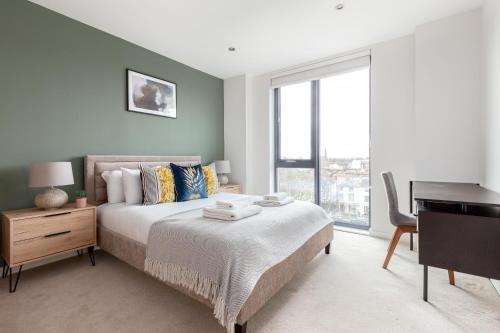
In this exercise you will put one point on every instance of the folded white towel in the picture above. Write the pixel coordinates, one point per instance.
(274, 203)
(224, 204)
(231, 214)
(278, 196)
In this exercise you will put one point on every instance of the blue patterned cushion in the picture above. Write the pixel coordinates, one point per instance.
(189, 182)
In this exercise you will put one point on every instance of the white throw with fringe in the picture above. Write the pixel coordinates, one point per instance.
(223, 261)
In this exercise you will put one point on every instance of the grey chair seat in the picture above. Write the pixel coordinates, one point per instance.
(405, 219)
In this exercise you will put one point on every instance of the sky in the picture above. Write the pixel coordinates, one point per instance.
(344, 117)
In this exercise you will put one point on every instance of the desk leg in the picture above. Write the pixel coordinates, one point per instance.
(425, 282)
(411, 241)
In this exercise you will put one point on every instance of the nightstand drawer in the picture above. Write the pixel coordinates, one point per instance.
(51, 224)
(53, 243)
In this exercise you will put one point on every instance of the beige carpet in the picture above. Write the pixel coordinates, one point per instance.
(347, 291)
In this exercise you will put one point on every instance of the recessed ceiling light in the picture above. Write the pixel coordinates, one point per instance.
(231, 49)
(340, 6)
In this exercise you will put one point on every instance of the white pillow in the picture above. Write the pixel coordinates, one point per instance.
(114, 185)
(132, 186)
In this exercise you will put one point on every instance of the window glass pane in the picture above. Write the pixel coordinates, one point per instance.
(295, 122)
(298, 183)
(344, 151)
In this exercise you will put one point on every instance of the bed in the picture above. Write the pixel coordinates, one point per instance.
(123, 231)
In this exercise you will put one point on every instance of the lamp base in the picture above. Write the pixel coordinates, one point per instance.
(52, 198)
(223, 179)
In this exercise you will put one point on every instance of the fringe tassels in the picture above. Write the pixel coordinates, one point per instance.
(193, 281)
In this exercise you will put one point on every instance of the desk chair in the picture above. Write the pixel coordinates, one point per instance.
(404, 223)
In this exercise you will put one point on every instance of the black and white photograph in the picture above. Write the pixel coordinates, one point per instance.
(151, 95)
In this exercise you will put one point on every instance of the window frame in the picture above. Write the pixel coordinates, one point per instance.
(313, 162)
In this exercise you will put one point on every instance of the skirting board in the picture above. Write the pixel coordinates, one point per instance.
(379, 234)
(388, 236)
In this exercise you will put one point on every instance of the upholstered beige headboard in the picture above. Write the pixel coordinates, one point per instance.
(95, 165)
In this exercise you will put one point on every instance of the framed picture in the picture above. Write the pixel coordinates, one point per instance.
(151, 95)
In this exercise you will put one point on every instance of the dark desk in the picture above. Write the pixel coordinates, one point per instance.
(458, 228)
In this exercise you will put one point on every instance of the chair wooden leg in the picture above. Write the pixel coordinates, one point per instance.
(392, 246)
(451, 277)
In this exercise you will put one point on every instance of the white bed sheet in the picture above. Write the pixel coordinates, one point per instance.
(134, 221)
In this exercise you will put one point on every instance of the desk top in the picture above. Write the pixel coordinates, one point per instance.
(461, 193)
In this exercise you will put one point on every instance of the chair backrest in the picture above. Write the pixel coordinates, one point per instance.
(392, 196)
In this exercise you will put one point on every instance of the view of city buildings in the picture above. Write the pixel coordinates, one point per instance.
(344, 188)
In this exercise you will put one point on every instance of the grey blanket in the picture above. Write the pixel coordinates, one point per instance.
(222, 261)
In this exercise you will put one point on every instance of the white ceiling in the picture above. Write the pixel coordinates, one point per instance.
(268, 34)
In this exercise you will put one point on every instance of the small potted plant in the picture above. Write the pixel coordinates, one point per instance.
(81, 199)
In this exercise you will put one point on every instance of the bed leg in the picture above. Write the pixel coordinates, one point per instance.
(240, 328)
(327, 248)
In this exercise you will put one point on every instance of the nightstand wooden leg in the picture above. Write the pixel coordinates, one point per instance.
(13, 289)
(79, 252)
(91, 255)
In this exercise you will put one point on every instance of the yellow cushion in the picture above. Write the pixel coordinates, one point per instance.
(211, 181)
(167, 185)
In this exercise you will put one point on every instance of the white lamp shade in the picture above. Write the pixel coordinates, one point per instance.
(51, 174)
(222, 167)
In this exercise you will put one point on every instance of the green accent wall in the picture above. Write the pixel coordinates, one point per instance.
(63, 96)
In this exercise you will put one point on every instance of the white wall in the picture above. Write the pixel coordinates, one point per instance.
(447, 96)
(490, 98)
(247, 132)
(392, 126)
(260, 132)
(426, 109)
(235, 128)
(491, 94)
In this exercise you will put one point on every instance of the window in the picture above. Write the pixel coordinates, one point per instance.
(322, 140)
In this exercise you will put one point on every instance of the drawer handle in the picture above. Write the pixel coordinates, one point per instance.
(57, 214)
(58, 234)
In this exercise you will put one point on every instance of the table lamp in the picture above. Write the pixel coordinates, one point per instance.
(222, 168)
(49, 175)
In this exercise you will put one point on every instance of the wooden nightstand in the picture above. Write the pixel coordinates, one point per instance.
(32, 234)
(230, 188)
